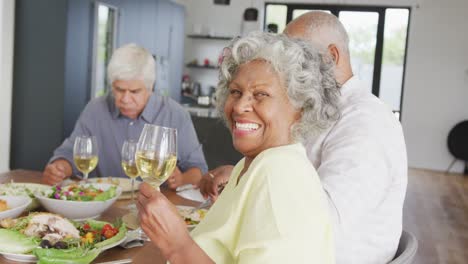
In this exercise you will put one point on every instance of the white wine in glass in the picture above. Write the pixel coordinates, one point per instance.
(156, 155)
(130, 169)
(85, 154)
(128, 162)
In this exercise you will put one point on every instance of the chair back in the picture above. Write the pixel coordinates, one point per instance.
(406, 249)
(457, 141)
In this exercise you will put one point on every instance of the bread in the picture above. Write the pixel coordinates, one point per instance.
(3, 205)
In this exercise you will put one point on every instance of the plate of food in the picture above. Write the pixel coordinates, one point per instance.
(13, 206)
(191, 218)
(51, 238)
(80, 201)
(124, 183)
(24, 189)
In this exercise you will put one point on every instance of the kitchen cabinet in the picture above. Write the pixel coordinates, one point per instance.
(202, 57)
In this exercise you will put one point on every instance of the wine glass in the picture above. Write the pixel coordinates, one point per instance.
(128, 162)
(85, 154)
(156, 155)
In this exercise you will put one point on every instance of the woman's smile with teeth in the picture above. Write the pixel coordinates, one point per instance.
(246, 126)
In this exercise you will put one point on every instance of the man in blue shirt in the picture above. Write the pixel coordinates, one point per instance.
(121, 115)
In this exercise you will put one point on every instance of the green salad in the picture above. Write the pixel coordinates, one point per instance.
(76, 192)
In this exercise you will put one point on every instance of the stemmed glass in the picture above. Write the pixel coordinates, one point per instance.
(85, 154)
(128, 162)
(156, 155)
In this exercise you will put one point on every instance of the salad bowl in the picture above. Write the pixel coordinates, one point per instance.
(80, 202)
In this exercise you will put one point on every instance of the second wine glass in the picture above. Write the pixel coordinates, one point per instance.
(128, 162)
(156, 155)
(85, 154)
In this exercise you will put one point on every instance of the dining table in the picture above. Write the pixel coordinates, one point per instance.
(148, 253)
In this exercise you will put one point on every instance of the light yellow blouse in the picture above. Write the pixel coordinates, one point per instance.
(277, 213)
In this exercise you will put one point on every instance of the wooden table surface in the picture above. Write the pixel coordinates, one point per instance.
(145, 254)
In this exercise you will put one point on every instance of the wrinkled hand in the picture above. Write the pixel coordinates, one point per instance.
(161, 221)
(211, 181)
(176, 179)
(55, 172)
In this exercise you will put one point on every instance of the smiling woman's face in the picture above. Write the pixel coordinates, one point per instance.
(258, 110)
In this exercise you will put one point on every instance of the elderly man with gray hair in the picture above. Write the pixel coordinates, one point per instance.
(121, 115)
(361, 159)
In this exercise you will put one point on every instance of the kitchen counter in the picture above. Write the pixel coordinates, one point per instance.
(201, 111)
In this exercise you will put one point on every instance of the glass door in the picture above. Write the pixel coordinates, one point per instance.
(393, 62)
(362, 33)
(105, 32)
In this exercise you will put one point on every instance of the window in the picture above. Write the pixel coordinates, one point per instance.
(104, 44)
(276, 16)
(378, 40)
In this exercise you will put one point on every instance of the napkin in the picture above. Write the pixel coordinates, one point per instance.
(189, 192)
(135, 238)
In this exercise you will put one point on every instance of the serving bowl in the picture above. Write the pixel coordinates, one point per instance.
(16, 205)
(79, 210)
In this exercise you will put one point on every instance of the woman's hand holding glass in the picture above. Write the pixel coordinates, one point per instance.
(85, 154)
(161, 222)
(156, 155)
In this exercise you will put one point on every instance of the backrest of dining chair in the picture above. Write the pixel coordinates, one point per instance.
(406, 249)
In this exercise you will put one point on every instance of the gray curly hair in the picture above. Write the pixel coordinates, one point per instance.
(308, 76)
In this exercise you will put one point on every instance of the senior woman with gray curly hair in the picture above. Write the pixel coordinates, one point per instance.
(273, 91)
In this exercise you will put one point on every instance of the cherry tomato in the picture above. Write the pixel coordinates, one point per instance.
(86, 227)
(109, 233)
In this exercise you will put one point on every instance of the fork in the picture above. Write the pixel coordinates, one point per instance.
(206, 203)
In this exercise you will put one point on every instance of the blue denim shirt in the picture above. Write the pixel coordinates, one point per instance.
(102, 119)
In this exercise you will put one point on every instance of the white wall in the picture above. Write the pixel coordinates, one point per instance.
(7, 13)
(436, 82)
(436, 86)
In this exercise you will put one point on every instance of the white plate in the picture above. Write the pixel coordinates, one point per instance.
(17, 204)
(20, 257)
(29, 258)
(21, 189)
